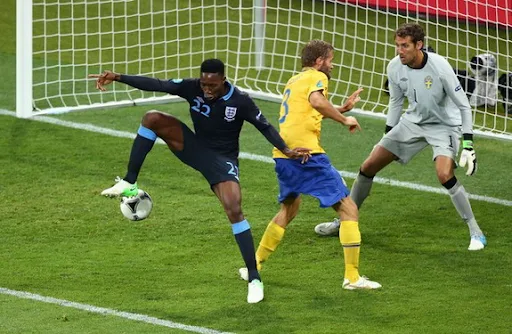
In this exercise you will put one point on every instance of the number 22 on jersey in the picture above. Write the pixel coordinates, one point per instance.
(201, 108)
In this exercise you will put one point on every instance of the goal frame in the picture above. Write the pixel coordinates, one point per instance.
(25, 107)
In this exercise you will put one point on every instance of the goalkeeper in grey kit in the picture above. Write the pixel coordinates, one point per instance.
(437, 114)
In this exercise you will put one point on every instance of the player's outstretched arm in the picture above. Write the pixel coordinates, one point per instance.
(298, 153)
(256, 118)
(275, 139)
(351, 101)
(323, 106)
(104, 79)
(136, 81)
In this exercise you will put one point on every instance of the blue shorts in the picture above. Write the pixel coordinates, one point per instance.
(317, 178)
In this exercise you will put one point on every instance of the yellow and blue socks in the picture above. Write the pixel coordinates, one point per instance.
(243, 236)
(350, 239)
(269, 242)
(142, 144)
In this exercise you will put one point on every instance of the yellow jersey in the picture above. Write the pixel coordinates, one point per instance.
(299, 123)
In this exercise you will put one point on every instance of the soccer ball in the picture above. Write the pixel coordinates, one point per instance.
(137, 207)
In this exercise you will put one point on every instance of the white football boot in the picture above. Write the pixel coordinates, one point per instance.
(362, 283)
(477, 242)
(244, 273)
(329, 228)
(121, 188)
(255, 291)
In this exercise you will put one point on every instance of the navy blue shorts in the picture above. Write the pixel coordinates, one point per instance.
(214, 167)
(317, 178)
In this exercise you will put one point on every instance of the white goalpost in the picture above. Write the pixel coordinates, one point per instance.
(24, 67)
(60, 42)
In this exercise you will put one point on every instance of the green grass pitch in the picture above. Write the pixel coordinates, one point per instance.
(59, 238)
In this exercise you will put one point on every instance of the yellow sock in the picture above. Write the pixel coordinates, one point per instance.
(269, 242)
(350, 239)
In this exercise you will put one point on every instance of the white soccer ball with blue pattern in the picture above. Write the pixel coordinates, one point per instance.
(137, 207)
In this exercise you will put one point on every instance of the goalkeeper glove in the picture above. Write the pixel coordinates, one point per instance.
(468, 155)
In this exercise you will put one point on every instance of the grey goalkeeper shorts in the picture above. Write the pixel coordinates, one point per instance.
(407, 139)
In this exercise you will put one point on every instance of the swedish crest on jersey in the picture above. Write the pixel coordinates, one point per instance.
(229, 114)
(428, 81)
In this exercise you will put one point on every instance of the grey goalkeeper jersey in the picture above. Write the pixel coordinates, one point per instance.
(433, 92)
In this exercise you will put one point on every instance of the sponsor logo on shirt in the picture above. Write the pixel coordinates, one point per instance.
(229, 114)
(177, 81)
(458, 88)
(319, 84)
(428, 81)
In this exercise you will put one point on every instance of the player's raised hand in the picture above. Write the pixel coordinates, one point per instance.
(298, 152)
(104, 79)
(351, 101)
(352, 123)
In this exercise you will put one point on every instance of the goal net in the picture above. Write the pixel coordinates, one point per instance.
(260, 42)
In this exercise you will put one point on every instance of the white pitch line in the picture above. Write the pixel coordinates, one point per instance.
(395, 183)
(107, 311)
(243, 155)
(257, 157)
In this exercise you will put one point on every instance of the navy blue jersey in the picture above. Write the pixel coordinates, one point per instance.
(217, 123)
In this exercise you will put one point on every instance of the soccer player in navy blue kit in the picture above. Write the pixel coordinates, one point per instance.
(218, 110)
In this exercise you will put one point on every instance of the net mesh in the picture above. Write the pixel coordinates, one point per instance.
(169, 39)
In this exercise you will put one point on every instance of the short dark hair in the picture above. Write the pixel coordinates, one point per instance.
(414, 30)
(213, 66)
(314, 49)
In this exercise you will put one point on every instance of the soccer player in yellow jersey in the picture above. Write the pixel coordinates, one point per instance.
(303, 107)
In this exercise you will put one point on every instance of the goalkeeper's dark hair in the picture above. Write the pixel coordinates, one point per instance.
(213, 66)
(314, 49)
(414, 30)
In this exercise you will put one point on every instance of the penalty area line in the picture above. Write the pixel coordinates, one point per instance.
(262, 158)
(106, 311)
